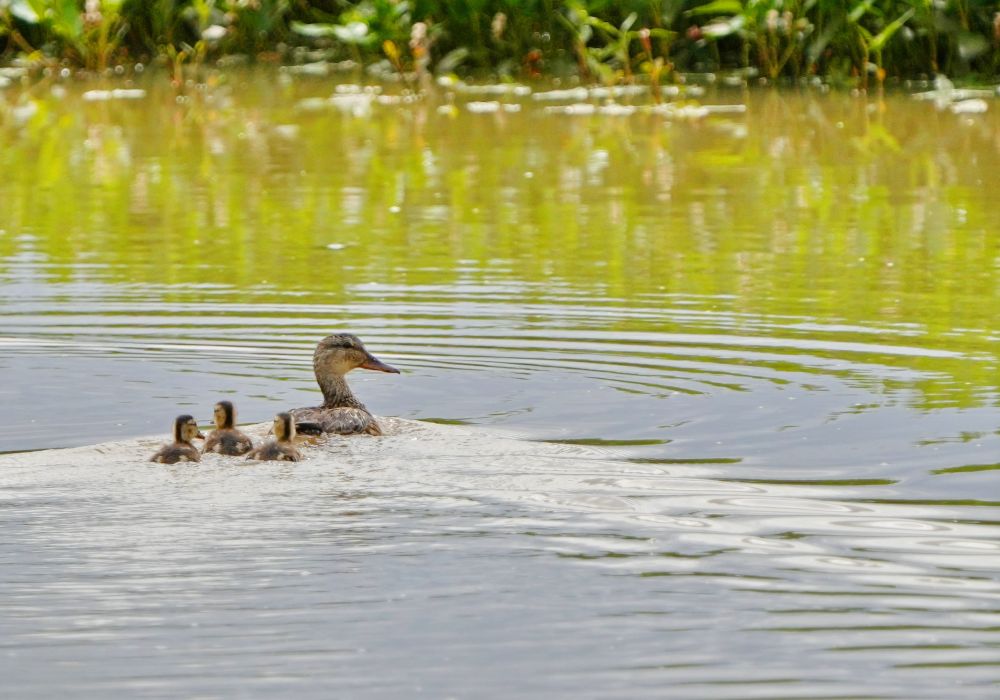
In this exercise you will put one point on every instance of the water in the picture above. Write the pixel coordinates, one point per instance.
(748, 362)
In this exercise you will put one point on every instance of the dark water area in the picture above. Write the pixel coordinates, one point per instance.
(747, 346)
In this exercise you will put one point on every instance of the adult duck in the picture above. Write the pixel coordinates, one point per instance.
(341, 412)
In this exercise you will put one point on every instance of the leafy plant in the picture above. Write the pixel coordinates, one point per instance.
(777, 31)
(872, 43)
(608, 40)
(612, 60)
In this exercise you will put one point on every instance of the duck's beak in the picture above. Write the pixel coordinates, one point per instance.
(372, 362)
(200, 435)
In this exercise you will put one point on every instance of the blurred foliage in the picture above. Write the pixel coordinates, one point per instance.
(848, 40)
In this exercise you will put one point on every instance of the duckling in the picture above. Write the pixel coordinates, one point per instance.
(281, 448)
(181, 449)
(341, 412)
(227, 439)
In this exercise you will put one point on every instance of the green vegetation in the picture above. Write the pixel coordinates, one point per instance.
(846, 41)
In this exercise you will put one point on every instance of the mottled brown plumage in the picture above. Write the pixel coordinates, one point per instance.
(226, 439)
(281, 448)
(341, 412)
(181, 449)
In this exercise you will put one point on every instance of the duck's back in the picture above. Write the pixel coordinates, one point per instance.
(228, 441)
(176, 452)
(340, 421)
(275, 451)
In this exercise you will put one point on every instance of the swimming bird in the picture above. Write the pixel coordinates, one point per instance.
(181, 449)
(226, 439)
(341, 412)
(281, 448)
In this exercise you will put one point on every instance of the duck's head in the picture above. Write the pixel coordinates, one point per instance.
(284, 427)
(342, 352)
(186, 429)
(225, 415)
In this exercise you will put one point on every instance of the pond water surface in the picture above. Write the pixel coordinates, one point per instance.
(775, 326)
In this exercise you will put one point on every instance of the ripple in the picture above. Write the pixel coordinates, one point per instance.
(781, 505)
(710, 433)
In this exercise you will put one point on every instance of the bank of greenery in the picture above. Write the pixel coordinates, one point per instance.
(849, 41)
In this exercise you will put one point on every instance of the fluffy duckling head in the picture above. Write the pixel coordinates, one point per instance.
(186, 429)
(284, 427)
(225, 415)
(340, 353)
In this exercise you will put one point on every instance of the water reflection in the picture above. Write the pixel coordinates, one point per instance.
(753, 351)
(766, 206)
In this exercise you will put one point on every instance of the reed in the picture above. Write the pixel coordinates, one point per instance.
(846, 41)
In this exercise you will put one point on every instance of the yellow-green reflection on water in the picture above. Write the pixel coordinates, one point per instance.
(839, 210)
(837, 207)
(781, 322)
